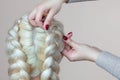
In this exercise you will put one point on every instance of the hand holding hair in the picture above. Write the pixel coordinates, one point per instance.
(76, 51)
(83, 52)
(48, 8)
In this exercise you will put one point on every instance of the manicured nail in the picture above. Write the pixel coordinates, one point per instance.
(47, 27)
(65, 38)
(69, 33)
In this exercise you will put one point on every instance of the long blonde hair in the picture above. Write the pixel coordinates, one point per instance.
(34, 51)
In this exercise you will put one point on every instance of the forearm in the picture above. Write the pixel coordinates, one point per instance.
(110, 63)
(72, 1)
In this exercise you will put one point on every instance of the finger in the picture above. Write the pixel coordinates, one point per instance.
(64, 51)
(49, 19)
(69, 35)
(67, 47)
(39, 18)
(69, 41)
(31, 18)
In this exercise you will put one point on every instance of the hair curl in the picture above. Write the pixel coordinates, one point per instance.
(34, 51)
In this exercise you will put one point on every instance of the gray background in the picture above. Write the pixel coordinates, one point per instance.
(96, 23)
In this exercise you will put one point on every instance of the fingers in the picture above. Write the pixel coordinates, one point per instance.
(66, 48)
(32, 17)
(49, 18)
(38, 19)
(69, 53)
(46, 9)
(69, 35)
(69, 41)
(69, 46)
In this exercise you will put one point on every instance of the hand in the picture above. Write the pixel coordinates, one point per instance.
(46, 9)
(76, 51)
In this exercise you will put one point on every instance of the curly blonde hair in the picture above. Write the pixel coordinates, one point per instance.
(34, 51)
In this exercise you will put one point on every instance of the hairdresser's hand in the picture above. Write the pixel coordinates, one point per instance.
(46, 9)
(76, 51)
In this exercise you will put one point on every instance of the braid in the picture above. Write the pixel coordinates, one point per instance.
(52, 56)
(19, 69)
(34, 51)
(26, 39)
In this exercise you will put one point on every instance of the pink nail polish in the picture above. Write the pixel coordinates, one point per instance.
(65, 38)
(47, 27)
(69, 33)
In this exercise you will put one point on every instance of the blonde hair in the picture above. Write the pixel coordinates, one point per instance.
(34, 51)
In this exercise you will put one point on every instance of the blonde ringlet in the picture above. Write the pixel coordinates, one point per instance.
(34, 51)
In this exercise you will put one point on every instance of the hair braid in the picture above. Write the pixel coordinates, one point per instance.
(19, 69)
(52, 52)
(34, 51)
(26, 39)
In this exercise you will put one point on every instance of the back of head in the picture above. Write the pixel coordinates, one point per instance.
(34, 51)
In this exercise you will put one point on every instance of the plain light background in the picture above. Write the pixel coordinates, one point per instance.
(94, 22)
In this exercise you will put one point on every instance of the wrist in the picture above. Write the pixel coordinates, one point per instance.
(64, 1)
(95, 55)
(92, 53)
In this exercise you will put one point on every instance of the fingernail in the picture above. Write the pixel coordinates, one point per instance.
(47, 27)
(65, 38)
(69, 33)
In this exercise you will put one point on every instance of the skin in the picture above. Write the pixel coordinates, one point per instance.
(47, 9)
(36, 78)
(73, 51)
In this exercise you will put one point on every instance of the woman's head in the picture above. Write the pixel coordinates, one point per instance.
(34, 51)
